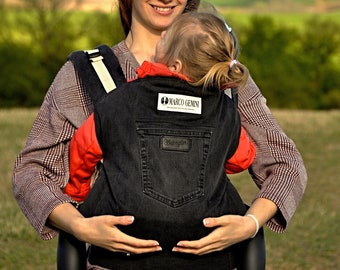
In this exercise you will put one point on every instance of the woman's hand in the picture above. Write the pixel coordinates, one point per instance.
(101, 231)
(230, 229)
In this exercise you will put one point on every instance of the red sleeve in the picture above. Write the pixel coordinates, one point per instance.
(85, 153)
(243, 157)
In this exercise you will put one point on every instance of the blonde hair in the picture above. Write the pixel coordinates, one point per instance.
(207, 49)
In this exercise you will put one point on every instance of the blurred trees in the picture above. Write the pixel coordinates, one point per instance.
(294, 68)
(35, 40)
(50, 29)
(33, 44)
(321, 42)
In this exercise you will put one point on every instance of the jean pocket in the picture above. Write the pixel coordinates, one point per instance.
(173, 163)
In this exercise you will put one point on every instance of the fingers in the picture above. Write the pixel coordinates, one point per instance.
(125, 243)
(120, 220)
(211, 222)
(138, 246)
(106, 235)
(228, 231)
(205, 245)
(217, 221)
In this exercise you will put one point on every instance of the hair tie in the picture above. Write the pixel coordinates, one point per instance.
(232, 63)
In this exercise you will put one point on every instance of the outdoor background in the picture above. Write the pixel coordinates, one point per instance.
(292, 49)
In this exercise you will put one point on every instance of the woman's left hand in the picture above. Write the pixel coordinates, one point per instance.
(230, 229)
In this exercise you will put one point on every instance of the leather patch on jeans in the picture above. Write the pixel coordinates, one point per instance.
(171, 143)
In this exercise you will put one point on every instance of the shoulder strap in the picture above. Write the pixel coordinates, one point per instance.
(234, 93)
(99, 71)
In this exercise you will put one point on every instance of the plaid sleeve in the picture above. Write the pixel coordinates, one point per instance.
(278, 168)
(42, 169)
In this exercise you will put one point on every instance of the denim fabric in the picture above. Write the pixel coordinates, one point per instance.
(166, 169)
(162, 178)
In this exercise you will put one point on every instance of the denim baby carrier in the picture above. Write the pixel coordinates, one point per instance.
(167, 169)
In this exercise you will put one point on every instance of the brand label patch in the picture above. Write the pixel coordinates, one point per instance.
(179, 103)
(171, 143)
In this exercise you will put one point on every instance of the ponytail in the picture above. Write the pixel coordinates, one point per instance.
(224, 75)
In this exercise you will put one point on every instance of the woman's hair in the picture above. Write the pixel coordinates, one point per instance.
(125, 11)
(208, 50)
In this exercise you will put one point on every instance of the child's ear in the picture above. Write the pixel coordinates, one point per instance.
(176, 66)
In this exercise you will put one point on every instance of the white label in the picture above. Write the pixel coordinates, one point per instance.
(228, 92)
(179, 103)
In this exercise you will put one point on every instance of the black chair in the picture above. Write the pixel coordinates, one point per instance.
(252, 254)
(71, 253)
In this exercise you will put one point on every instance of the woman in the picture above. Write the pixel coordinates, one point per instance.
(165, 163)
(41, 169)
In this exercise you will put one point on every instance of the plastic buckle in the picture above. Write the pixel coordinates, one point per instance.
(94, 55)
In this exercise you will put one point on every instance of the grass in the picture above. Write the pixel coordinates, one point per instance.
(312, 239)
(311, 242)
(21, 247)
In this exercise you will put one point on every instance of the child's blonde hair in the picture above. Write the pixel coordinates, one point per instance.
(208, 50)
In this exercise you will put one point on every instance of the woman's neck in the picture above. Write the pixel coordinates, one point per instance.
(142, 45)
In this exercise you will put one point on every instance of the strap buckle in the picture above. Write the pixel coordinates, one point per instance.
(94, 55)
(96, 60)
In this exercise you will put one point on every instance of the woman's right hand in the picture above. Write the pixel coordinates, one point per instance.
(100, 230)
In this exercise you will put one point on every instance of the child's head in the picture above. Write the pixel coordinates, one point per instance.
(202, 47)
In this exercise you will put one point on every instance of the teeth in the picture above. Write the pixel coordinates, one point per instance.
(162, 9)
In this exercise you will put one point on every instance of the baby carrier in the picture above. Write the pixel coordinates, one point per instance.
(97, 81)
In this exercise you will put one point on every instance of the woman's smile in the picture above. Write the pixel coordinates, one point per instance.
(163, 10)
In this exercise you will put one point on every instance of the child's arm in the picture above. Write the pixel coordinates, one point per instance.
(85, 153)
(243, 157)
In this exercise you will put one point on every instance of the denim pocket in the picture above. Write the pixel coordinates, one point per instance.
(173, 163)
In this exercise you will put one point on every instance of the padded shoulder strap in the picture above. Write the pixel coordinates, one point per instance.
(99, 71)
(234, 93)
